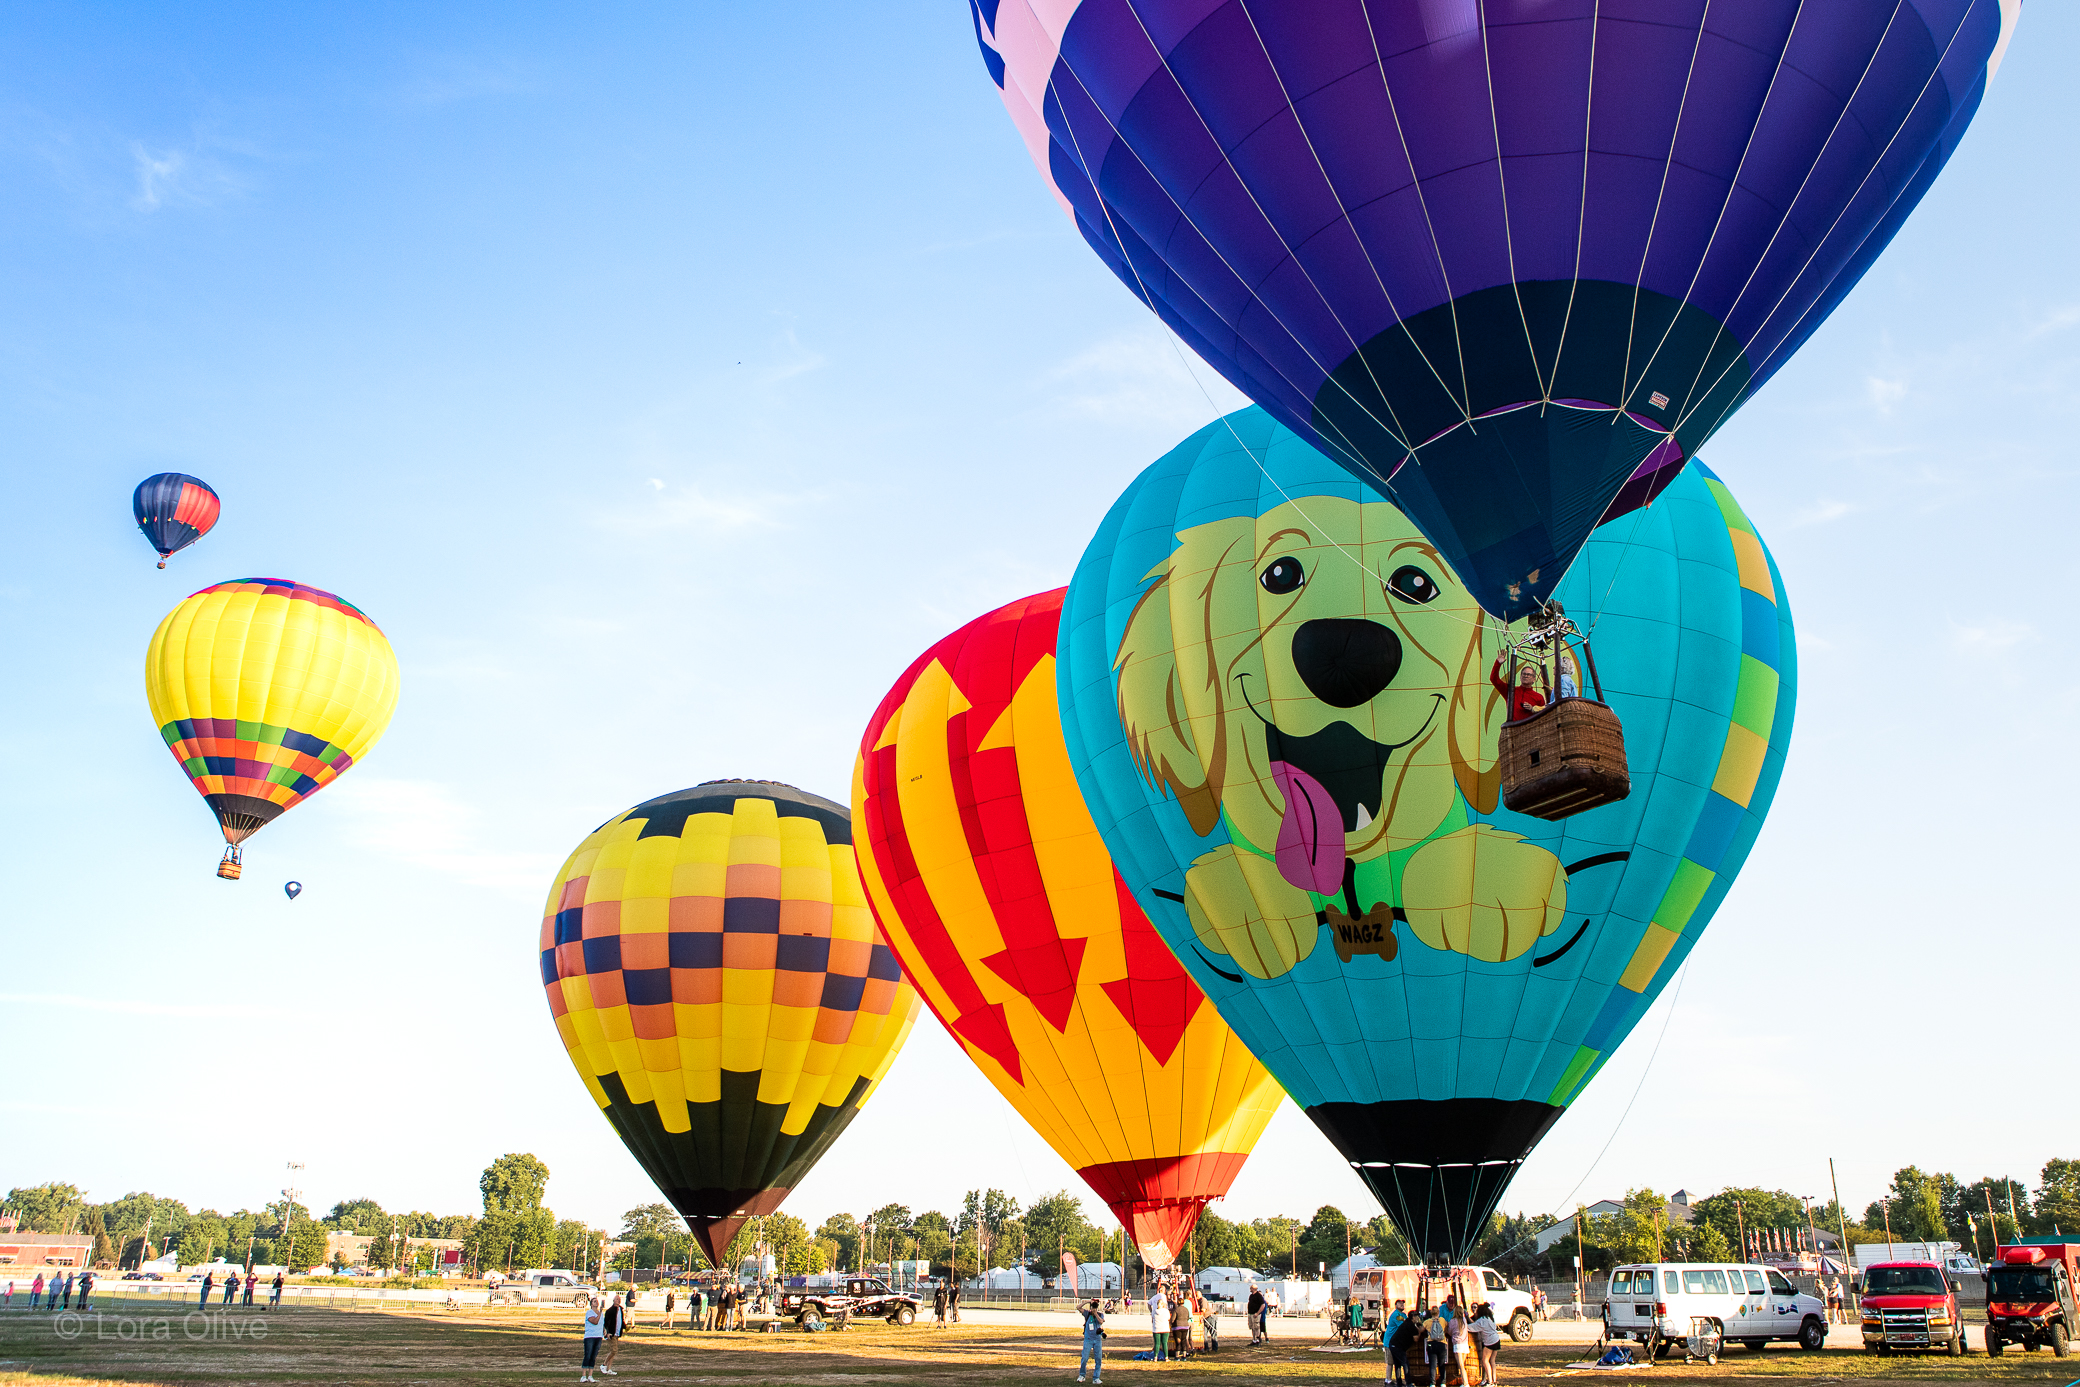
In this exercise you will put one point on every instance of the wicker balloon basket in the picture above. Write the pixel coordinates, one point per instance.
(231, 865)
(1564, 759)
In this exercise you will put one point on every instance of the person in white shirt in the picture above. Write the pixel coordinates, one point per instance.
(1487, 1340)
(1159, 1322)
(595, 1329)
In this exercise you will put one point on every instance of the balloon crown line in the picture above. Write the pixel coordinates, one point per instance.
(745, 780)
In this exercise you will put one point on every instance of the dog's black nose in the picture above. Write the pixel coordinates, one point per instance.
(1344, 661)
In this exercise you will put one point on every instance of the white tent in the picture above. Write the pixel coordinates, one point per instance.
(1015, 1279)
(1093, 1276)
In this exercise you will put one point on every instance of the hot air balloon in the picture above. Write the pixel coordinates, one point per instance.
(266, 691)
(292, 889)
(1511, 261)
(174, 510)
(1282, 708)
(991, 882)
(718, 979)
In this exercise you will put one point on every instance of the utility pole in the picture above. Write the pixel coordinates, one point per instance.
(1886, 1206)
(1993, 1225)
(1841, 1216)
(1740, 1225)
(290, 1195)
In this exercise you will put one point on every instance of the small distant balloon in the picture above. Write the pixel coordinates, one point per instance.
(292, 889)
(174, 510)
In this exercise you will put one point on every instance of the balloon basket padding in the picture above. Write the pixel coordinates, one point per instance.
(1564, 760)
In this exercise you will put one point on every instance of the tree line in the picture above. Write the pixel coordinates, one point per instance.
(515, 1228)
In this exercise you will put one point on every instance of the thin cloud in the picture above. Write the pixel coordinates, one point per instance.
(178, 177)
(690, 508)
(1821, 512)
(1884, 394)
(1142, 377)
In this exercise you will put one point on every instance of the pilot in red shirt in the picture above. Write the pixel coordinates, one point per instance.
(1524, 699)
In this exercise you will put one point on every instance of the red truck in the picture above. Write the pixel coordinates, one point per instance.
(1910, 1307)
(2029, 1295)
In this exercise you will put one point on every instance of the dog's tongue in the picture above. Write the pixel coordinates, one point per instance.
(1310, 836)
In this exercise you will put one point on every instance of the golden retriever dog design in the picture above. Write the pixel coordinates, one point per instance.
(1317, 678)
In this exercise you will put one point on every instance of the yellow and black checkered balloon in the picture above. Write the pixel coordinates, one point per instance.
(723, 989)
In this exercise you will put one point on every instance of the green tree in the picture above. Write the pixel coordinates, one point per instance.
(1275, 1239)
(202, 1237)
(2057, 1203)
(306, 1244)
(1738, 1209)
(1056, 1223)
(515, 1225)
(47, 1208)
(1968, 1221)
(1915, 1205)
(653, 1228)
(1710, 1245)
(514, 1182)
(933, 1233)
(842, 1231)
(1638, 1232)
(356, 1216)
(1323, 1240)
(1511, 1244)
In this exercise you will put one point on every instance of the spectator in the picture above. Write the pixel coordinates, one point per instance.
(953, 1301)
(1255, 1314)
(670, 1299)
(1455, 1335)
(251, 1282)
(1538, 1301)
(1487, 1341)
(1402, 1334)
(209, 1283)
(1159, 1322)
(1180, 1323)
(274, 1295)
(1093, 1353)
(230, 1286)
(595, 1327)
(612, 1324)
(939, 1305)
(1437, 1351)
(86, 1287)
(66, 1304)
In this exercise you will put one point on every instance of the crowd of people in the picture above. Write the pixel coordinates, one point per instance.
(1440, 1338)
(56, 1292)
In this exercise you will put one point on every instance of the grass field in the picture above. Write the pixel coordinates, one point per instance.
(316, 1346)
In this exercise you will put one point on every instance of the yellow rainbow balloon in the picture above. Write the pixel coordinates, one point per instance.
(266, 691)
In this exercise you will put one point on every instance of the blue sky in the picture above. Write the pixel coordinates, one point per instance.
(662, 379)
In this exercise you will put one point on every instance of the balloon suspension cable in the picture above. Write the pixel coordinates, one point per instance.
(231, 864)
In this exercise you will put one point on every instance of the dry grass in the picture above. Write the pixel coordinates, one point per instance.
(514, 1346)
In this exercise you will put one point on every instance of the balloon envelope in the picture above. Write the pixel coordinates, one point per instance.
(718, 979)
(992, 884)
(174, 510)
(1514, 261)
(266, 691)
(1279, 705)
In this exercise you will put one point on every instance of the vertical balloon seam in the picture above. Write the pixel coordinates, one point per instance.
(1109, 211)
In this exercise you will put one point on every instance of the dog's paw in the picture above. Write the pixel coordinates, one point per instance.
(1484, 893)
(1240, 906)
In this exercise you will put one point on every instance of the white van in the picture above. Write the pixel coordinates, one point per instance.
(1753, 1305)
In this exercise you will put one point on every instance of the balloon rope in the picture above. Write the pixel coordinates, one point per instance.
(1561, 1203)
(1581, 221)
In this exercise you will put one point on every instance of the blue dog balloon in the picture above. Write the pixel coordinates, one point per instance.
(1284, 707)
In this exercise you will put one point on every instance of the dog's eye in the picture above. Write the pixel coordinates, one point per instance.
(1412, 584)
(1284, 576)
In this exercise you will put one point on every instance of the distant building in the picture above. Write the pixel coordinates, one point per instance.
(45, 1249)
(1677, 1212)
(352, 1248)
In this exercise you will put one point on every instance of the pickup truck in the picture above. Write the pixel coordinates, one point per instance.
(1910, 1307)
(540, 1288)
(862, 1297)
(2030, 1290)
